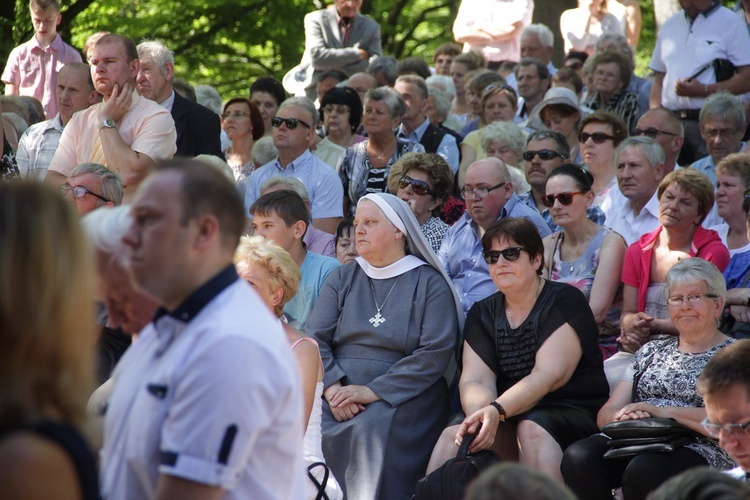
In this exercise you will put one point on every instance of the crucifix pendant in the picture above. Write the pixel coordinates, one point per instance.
(377, 320)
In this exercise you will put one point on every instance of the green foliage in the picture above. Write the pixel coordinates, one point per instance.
(648, 38)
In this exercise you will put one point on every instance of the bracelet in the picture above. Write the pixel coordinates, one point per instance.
(499, 409)
(705, 90)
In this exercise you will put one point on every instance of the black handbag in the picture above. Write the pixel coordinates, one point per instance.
(724, 69)
(645, 435)
(320, 485)
(449, 481)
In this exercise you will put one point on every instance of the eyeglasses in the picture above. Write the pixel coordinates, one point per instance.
(419, 187)
(236, 115)
(724, 133)
(544, 154)
(510, 254)
(564, 198)
(480, 192)
(291, 123)
(79, 192)
(693, 298)
(732, 430)
(597, 137)
(652, 132)
(339, 109)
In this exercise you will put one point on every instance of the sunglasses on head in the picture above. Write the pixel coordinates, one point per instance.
(421, 188)
(544, 154)
(597, 137)
(565, 198)
(291, 123)
(510, 254)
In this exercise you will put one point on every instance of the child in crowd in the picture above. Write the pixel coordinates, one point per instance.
(33, 66)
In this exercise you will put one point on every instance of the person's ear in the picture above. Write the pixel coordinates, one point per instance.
(169, 71)
(299, 229)
(277, 297)
(207, 230)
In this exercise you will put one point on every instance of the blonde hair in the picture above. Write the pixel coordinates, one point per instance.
(47, 327)
(281, 272)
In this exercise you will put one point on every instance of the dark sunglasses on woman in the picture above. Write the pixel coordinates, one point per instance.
(597, 137)
(565, 198)
(419, 187)
(510, 254)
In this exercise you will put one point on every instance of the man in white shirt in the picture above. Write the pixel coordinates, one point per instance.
(666, 128)
(640, 169)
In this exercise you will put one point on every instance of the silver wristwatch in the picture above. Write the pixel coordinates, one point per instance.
(108, 123)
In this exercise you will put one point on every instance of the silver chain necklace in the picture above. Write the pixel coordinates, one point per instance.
(378, 319)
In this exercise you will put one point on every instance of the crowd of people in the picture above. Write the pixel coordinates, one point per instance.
(320, 288)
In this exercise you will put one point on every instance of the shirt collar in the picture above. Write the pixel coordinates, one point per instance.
(55, 45)
(196, 301)
(418, 132)
(54, 123)
(168, 102)
(295, 164)
(509, 205)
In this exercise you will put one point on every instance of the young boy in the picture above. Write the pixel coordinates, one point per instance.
(33, 66)
(281, 217)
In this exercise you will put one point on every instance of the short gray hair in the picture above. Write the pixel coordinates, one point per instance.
(105, 229)
(289, 182)
(724, 105)
(650, 149)
(542, 32)
(616, 39)
(392, 99)
(418, 83)
(696, 270)
(157, 51)
(443, 82)
(264, 151)
(441, 100)
(304, 103)
(560, 142)
(209, 97)
(111, 182)
(385, 65)
(507, 132)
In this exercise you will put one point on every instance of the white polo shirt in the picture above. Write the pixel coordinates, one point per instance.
(623, 221)
(682, 49)
(209, 393)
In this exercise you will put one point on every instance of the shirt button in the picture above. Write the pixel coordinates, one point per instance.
(469, 275)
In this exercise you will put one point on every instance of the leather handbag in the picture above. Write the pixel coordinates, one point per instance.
(449, 481)
(645, 435)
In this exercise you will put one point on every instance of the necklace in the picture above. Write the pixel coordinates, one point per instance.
(509, 313)
(378, 319)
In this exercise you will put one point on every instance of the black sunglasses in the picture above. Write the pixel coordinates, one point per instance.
(598, 137)
(419, 187)
(651, 132)
(291, 123)
(510, 254)
(565, 198)
(544, 154)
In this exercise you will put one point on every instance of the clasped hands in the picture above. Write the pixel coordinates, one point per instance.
(346, 401)
(635, 411)
(484, 421)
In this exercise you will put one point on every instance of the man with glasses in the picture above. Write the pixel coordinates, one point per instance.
(91, 186)
(725, 387)
(293, 130)
(665, 127)
(640, 169)
(545, 150)
(489, 197)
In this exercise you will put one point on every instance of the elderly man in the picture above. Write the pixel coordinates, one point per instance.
(362, 82)
(91, 186)
(665, 127)
(545, 150)
(489, 197)
(725, 387)
(415, 125)
(292, 132)
(75, 92)
(212, 378)
(125, 132)
(533, 80)
(537, 41)
(640, 169)
(340, 38)
(198, 129)
(686, 49)
(722, 125)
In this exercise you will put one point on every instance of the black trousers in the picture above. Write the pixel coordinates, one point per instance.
(592, 477)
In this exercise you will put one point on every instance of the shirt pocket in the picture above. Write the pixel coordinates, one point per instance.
(31, 72)
(709, 48)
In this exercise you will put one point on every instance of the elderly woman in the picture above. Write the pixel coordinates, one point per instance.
(387, 326)
(480, 80)
(532, 378)
(267, 94)
(660, 383)
(364, 167)
(732, 179)
(505, 141)
(346, 248)
(243, 124)
(559, 111)
(685, 198)
(47, 333)
(272, 272)
(499, 104)
(341, 112)
(583, 253)
(424, 181)
(611, 74)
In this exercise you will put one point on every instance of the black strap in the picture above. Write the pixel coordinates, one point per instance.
(322, 495)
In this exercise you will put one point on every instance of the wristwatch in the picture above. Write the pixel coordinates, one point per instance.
(499, 409)
(108, 123)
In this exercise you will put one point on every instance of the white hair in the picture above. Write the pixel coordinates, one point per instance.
(208, 96)
(542, 32)
(105, 228)
(443, 82)
(156, 51)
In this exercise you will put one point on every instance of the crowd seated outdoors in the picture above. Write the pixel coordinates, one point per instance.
(320, 287)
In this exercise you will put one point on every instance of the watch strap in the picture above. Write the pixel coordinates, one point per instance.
(499, 409)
